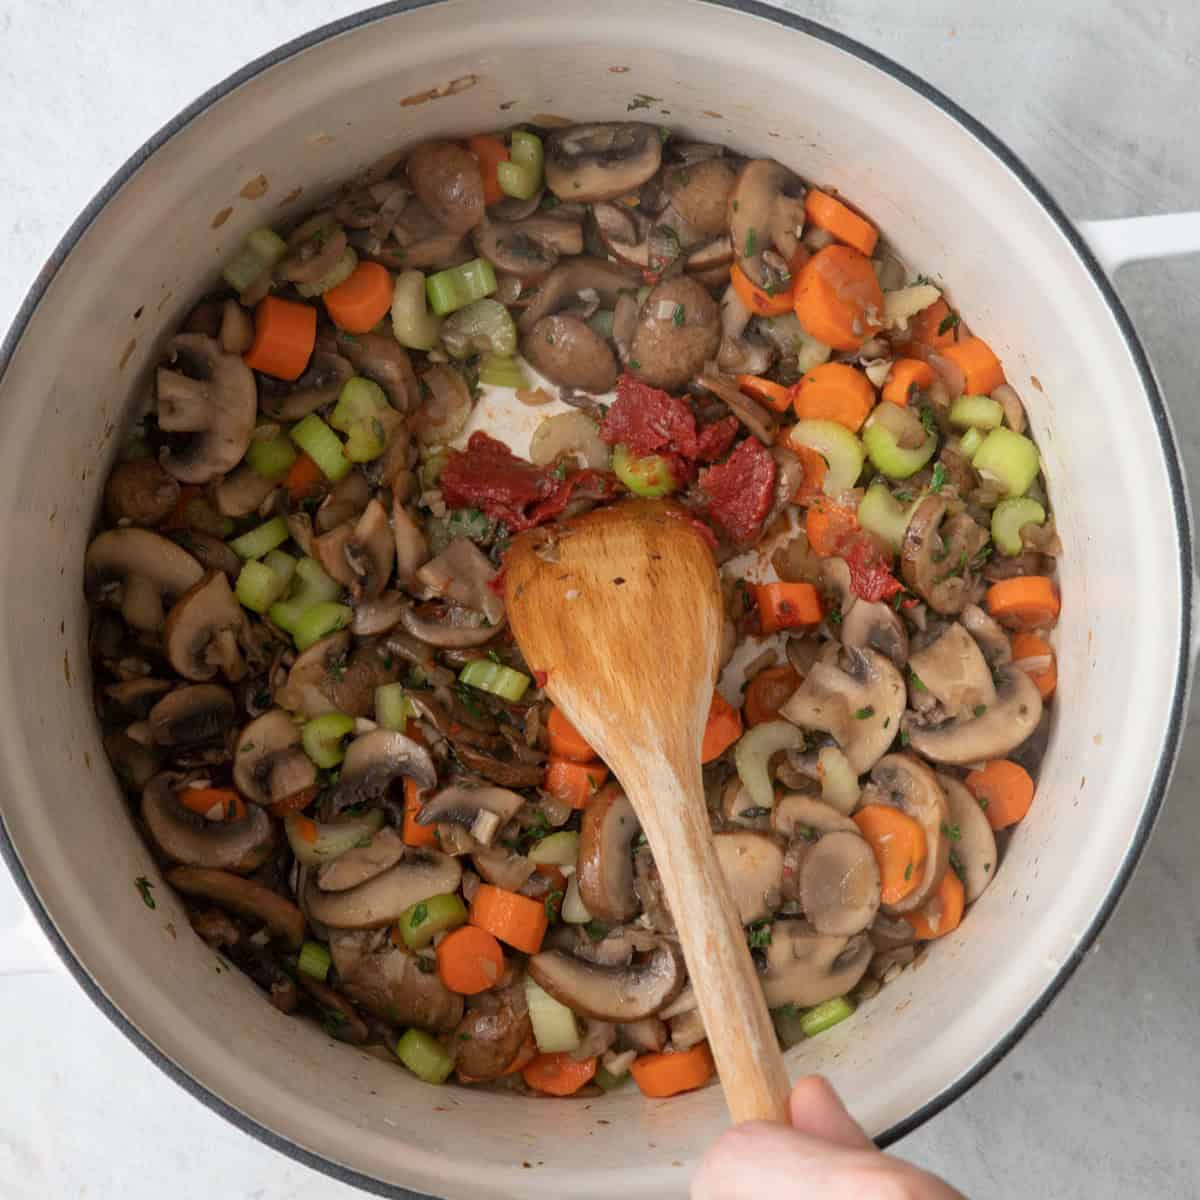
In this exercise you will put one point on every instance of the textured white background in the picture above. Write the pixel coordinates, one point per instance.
(1100, 1100)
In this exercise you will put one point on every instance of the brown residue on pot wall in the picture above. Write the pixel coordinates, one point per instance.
(294, 194)
(222, 217)
(462, 84)
(127, 352)
(618, 70)
(551, 120)
(255, 188)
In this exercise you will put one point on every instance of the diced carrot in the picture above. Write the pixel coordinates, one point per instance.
(942, 912)
(306, 829)
(773, 394)
(828, 525)
(1024, 603)
(469, 960)
(414, 833)
(285, 333)
(565, 740)
(1026, 646)
(828, 213)
(815, 469)
(787, 606)
(304, 477)
(204, 800)
(758, 300)
(838, 298)
(899, 846)
(926, 328)
(982, 372)
(906, 376)
(361, 300)
(295, 802)
(519, 921)
(768, 692)
(559, 1074)
(572, 783)
(834, 392)
(663, 1075)
(723, 729)
(491, 152)
(1004, 790)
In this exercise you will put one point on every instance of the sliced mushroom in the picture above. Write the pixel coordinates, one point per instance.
(140, 492)
(737, 808)
(186, 837)
(973, 851)
(679, 330)
(1002, 726)
(268, 763)
(461, 805)
(910, 785)
(381, 358)
(503, 868)
(605, 864)
(139, 571)
(412, 548)
(570, 353)
(751, 414)
(390, 983)
(619, 994)
(839, 884)
(876, 626)
(358, 865)
(457, 628)
(192, 716)
(323, 378)
(447, 181)
(216, 402)
(602, 280)
(376, 760)
(313, 674)
(752, 864)
(699, 193)
(381, 899)
(213, 554)
(132, 699)
(766, 210)
(585, 163)
(339, 1017)
(314, 248)
(204, 631)
(530, 248)
(242, 491)
(648, 887)
(988, 635)
(244, 897)
(807, 968)
(860, 706)
(953, 671)
(370, 552)
(491, 1034)
(463, 575)
(346, 501)
(798, 815)
(647, 1036)
(938, 556)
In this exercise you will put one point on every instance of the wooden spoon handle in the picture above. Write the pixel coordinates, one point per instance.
(740, 1032)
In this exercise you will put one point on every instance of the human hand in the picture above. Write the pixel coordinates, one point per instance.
(823, 1156)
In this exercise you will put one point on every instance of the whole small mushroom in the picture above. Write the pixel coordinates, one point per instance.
(699, 193)
(678, 331)
(448, 183)
(140, 492)
(570, 353)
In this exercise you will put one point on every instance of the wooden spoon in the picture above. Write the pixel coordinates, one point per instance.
(621, 611)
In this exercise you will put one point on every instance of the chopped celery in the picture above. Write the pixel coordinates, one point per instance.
(558, 850)
(882, 514)
(322, 738)
(606, 1081)
(840, 449)
(495, 678)
(320, 621)
(314, 961)
(826, 1016)
(359, 398)
(485, 327)
(753, 753)
(498, 371)
(650, 476)
(554, 1027)
(976, 412)
(262, 539)
(258, 587)
(322, 445)
(970, 442)
(420, 923)
(284, 565)
(455, 288)
(267, 244)
(424, 1056)
(329, 841)
(882, 434)
(787, 1025)
(521, 175)
(393, 708)
(310, 586)
(1010, 459)
(839, 783)
(433, 460)
(271, 458)
(260, 251)
(574, 911)
(1008, 519)
(412, 323)
(338, 273)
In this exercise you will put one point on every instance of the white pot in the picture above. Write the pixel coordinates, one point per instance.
(954, 202)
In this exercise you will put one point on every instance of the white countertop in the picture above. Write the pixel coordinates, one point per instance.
(1101, 1098)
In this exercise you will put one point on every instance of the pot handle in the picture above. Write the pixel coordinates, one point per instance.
(24, 949)
(1132, 239)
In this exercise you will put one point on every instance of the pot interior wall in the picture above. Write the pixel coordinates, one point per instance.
(950, 208)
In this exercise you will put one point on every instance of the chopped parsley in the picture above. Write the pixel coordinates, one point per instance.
(470, 523)
(904, 496)
(759, 935)
(835, 617)
(939, 478)
(426, 965)
(751, 247)
(863, 714)
(641, 100)
(495, 657)
(908, 871)
(144, 886)
(751, 814)
(952, 832)
(983, 802)
(887, 723)
(904, 738)
(956, 864)
(633, 362)
(929, 420)
(246, 748)
(596, 930)
(420, 914)
(807, 832)
(680, 179)
(553, 899)
(332, 1021)
(922, 280)
(915, 680)
(948, 322)
(979, 709)
(549, 200)
(679, 316)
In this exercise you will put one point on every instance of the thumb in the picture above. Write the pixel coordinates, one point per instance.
(815, 1109)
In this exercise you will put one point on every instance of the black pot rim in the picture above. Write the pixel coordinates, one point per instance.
(1013, 162)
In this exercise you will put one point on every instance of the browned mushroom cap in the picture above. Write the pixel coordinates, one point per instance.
(580, 274)
(314, 248)
(483, 810)
(988, 635)
(448, 183)
(381, 358)
(973, 851)
(999, 728)
(418, 242)
(605, 865)
(376, 760)
(380, 900)
(184, 836)
(937, 557)
(806, 968)
(678, 331)
(192, 716)
(242, 491)
(585, 163)
(908, 784)
(570, 353)
(751, 414)
(699, 193)
(800, 815)
(463, 575)
(839, 884)
(320, 384)
(953, 671)
(876, 626)
(268, 763)
(766, 210)
(618, 993)
(210, 395)
(752, 864)
(489, 1037)
(140, 492)
(860, 706)
(530, 248)
(136, 571)
(385, 849)
(242, 896)
(204, 629)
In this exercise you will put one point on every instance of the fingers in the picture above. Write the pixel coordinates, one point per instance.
(815, 1109)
